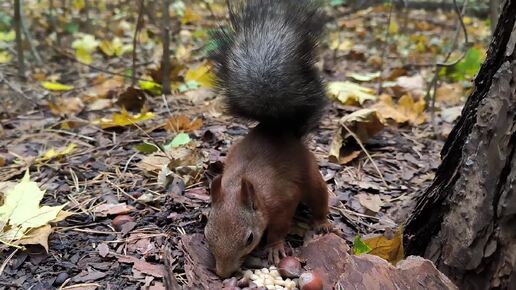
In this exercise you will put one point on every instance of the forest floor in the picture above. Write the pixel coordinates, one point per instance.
(130, 200)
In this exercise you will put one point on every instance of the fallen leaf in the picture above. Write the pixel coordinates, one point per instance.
(359, 247)
(153, 162)
(53, 86)
(37, 236)
(64, 106)
(364, 77)
(406, 111)
(146, 148)
(201, 75)
(55, 153)
(150, 86)
(103, 249)
(349, 93)
(123, 119)
(143, 266)
(104, 88)
(7, 36)
(181, 123)
(372, 202)
(113, 47)
(21, 214)
(413, 85)
(388, 246)
(84, 46)
(364, 124)
(449, 94)
(106, 209)
(179, 140)
(5, 57)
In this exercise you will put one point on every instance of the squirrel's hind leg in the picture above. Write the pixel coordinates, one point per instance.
(317, 201)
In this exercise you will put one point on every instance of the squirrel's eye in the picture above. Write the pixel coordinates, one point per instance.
(249, 239)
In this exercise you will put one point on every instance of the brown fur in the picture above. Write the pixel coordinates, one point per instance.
(265, 178)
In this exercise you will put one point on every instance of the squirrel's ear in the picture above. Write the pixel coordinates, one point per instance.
(215, 188)
(247, 194)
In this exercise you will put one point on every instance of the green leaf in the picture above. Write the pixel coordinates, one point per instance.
(71, 27)
(146, 148)
(179, 140)
(359, 247)
(468, 67)
(150, 86)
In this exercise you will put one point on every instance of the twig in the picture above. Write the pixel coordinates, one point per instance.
(165, 59)
(384, 47)
(19, 46)
(33, 50)
(64, 54)
(438, 65)
(4, 263)
(139, 23)
(366, 152)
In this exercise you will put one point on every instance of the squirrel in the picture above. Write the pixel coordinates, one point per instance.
(265, 70)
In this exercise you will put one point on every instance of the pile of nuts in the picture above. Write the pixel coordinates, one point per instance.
(289, 276)
(270, 279)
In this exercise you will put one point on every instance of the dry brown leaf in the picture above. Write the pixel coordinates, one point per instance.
(406, 111)
(37, 236)
(65, 106)
(104, 210)
(413, 85)
(364, 124)
(372, 202)
(449, 94)
(181, 123)
(104, 88)
(143, 266)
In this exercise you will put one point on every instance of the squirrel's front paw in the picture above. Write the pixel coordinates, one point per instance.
(276, 252)
(322, 226)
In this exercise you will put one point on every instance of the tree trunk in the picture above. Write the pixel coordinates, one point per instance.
(466, 220)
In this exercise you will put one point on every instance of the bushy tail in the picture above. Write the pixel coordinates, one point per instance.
(265, 63)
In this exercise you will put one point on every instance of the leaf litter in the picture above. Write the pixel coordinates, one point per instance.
(162, 193)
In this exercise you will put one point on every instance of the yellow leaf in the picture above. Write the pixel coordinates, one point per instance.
(123, 119)
(349, 93)
(111, 48)
(393, 27)
(21, 211)
(78, 4)
(388, 246)
(87, 42)
(189, 16)
(202, 75)
(83, 56)
(53, 153)
(5, 57)
(52, 86)
(406, 111)
(7, 36)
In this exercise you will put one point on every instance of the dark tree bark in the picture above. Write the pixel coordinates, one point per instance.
(165, 63)
(466, 220)
(19, 39)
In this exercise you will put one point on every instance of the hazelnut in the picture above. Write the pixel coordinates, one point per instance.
(120, 220)
(310, 281)
(289, 267)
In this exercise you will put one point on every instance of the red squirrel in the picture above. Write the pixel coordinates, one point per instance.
(265, 70)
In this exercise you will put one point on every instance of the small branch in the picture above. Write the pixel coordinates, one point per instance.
(19, 44)
(33, 50)
(430, 97)
(139, 22)
(366, 152)
(165, 62)
(384, 47)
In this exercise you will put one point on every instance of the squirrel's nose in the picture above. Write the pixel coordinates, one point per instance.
(223, 271)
